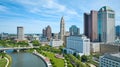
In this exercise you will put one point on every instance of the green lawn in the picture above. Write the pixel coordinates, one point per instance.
(3, 62)
(57, 62)
(10, 60)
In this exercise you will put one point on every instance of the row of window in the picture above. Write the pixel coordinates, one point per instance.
(111, 15)
(108, 63)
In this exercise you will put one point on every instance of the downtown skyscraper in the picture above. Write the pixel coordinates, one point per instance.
(47, 32)
(100, 25)
(90, 25)
(62, 29)
(20, 33)
(118, 31)
(106, 24)
(74, 30)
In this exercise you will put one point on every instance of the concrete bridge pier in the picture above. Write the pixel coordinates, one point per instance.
(4, 51)
(18, 50)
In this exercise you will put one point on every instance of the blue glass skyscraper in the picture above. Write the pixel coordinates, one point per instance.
(74, 30)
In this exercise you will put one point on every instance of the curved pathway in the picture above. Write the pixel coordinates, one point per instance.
(7, 62)
(44, 58)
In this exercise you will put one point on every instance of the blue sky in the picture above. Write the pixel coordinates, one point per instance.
(34, 15)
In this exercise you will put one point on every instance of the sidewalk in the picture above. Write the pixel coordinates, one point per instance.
(7, 62)
(44, 58)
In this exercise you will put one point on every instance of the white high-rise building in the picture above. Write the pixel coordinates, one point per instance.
(20, 33)
(78, 44)
(106, 24)
(110, 60)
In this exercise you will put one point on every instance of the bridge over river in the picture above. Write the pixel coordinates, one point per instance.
(17, 48)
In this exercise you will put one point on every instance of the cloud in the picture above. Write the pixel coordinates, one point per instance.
(43, 12)
(3, 8)
(46, 7)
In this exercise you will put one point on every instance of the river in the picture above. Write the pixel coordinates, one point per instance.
(24, 59)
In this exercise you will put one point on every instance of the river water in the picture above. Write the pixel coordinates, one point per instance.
(24, 59)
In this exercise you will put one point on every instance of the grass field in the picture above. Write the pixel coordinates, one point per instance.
(3, 62)
(57, 62)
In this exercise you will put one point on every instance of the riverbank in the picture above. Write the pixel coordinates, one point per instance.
(9, 60)
(47, 61)
(6, 61)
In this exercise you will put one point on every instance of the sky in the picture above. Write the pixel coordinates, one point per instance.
(34, 15)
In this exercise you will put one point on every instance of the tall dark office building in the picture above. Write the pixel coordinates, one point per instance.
(44, 32)
(47, 32)
(90, 25)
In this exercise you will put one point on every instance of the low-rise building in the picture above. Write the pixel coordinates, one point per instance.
(110, 60)
(4, 36)
(109, 48)
(78, 44)
(94, 47)
(56, 42)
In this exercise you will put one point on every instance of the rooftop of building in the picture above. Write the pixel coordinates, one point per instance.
(56, 39)
(115, 56)
(106, 8)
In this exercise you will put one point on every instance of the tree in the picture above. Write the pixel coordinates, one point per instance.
(22, 43)
(65, 51)
(75, 54)
(70, 65)
(2, 54)
(36, 43)
(84, 58)
(79, 57)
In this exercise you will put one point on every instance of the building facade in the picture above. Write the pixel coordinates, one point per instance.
(47, 33)
(87, 24)
(106, 24)
(90, 25)
(74, 30)
(110, 60)
(20, 33)
(56, 42)
(4, 36)
(118, 31)
(44, 32)
(78, 44)
(109, 48)
(95, 47)
(62, 29)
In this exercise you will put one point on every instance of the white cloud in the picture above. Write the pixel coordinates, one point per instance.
(3, 8)
(46, 7)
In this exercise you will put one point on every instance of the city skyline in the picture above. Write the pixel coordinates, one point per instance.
(34, 15)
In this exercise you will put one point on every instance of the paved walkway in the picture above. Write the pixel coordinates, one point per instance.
(45, 59)
(7, 62)
(91, 65)
(65, 63)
